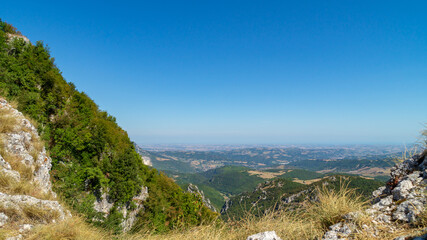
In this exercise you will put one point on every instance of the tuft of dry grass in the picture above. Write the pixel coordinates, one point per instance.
(74, 228)
(332, 205)
(37, 214)
(7, 121)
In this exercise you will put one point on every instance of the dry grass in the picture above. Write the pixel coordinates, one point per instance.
(7, 121)
(38, 214)
(333, 205)
(287, 226)
(71, 229)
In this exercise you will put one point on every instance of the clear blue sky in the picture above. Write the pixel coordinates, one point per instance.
(243, 71)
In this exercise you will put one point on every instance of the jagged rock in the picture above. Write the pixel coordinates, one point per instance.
(3, 219)
(270, 235)
(402, 190)
(194, 189)
(339, 231)
(130, 216)
(20, 203)
(226, 206)
(17, 36)
(22, 145)
(20, 142)
(104, 204)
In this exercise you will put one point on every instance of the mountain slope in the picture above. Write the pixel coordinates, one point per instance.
(93, 159)
(284, 193)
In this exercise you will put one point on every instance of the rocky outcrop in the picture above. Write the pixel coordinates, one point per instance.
(401, 200)
(104, 204)
(195, 190)
(24, 143)
(25, 163)
(18, 36)
(144, 155)
(47, 211)
(130, 214)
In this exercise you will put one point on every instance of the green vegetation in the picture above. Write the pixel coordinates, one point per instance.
(343, 165)
(90, 152)
(285, 194)
(228, 180)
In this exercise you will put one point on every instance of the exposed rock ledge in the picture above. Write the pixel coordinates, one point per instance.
(103, 204)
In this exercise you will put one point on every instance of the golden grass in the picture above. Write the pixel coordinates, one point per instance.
(7, 121)
(287, 226)
(38, 214)
(333, 205)
(73, 228)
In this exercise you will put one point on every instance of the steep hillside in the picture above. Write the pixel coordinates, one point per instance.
(95, 167)
(284, 193)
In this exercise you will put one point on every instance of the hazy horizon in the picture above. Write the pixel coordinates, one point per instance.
(243, 72)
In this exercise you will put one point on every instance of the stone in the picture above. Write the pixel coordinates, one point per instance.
(206, 201)
(19, 142)
(130, 216)
(269, 235)
(18, 237)
(3, 219)
(25, 228)
(402, 190)
(18, 203)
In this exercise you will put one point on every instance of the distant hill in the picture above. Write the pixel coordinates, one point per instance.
(369, 161)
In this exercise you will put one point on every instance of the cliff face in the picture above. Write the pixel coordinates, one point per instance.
(26, 196)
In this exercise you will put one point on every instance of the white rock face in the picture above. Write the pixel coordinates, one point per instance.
(19, 204)
(130, 216)
(20, 142)
(147, 161)
(206, 201)
(104, 205)
(13, 36)
(22, 145)
(271, 235)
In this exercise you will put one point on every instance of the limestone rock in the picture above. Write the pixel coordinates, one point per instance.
(3, 219)
(19, 204)
(194, 189)
(130, 215)
(104, 204)
(25, 143)
(270, 235)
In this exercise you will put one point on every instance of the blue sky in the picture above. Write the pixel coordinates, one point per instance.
(243, 71)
